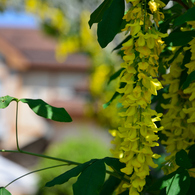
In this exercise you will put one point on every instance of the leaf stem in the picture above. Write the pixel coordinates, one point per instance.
(33, 172)
(17, 142)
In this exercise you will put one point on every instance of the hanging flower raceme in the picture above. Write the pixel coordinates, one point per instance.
(175, 119)
(179, 121)
(137, 133)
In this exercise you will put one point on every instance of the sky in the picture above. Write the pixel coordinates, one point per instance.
(12, 18)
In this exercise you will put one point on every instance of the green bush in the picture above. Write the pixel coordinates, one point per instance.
(77, 148)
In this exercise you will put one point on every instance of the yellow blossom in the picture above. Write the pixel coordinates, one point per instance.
(150, 42)
(143, 65)
(152, 6)
(144, 51)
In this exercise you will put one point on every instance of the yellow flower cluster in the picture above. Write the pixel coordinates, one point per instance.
(98, 78)
(137, 133)
(57, 19)
(179, 121)
(174, 121)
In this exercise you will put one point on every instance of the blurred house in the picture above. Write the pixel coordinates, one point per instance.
(28, 69)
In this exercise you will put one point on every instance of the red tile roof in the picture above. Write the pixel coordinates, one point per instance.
(31, 49)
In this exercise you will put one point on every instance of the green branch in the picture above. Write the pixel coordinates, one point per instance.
(182, 4)
(17, 142)
(42, 156)
(33, 172)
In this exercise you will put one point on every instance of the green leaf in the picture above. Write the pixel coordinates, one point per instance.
(187, 16)
(175, 55)
(111, 22)
(190, 79)
(97, 15)
(91, 179)
(116, 94)
(179, 38)
(123, 24)
(180, 184)
(45, 110)
(110, 185)
(68, 174)
(177, 182)
(3, 191)
(169, 18)
(125, 193)
(163, 191)
(191, 153)
(187, 58)
(165, 1)
(115, 75)
(191, 189)
(158, 99)
(183, 160)
(193, 1)
(114, 163)
(5, 101)
(162, 182)
(183, 77)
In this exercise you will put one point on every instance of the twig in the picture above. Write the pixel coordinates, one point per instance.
(182, 4)
(33, 172)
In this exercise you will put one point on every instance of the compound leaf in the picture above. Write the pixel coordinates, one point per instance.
(91, 179)
(63, 178)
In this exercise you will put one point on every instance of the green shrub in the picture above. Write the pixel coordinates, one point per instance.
(77, 148)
